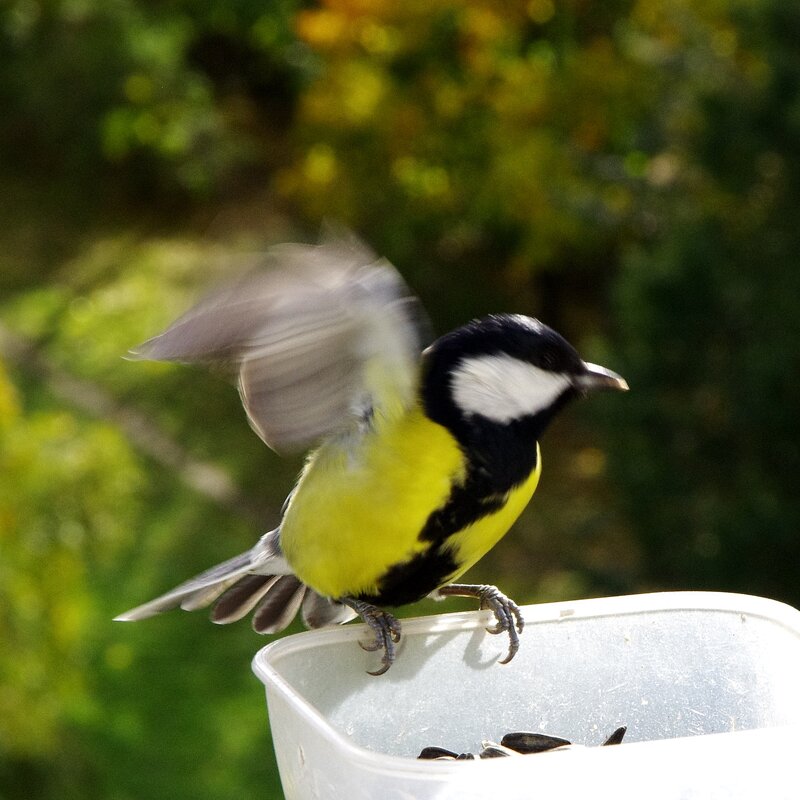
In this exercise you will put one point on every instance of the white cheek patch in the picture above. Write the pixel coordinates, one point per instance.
(503, 388)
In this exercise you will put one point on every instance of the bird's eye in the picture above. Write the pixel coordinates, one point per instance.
(548, 359)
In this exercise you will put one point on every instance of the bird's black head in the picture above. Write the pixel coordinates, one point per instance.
(504, 374)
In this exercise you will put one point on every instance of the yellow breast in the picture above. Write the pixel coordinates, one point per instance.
(359, 506)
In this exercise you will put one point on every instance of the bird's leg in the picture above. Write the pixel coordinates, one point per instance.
(506, 611)
(385, 627)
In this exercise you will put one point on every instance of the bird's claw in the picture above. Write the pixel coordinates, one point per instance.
(509, 618)
(385, 628)
(506, 611)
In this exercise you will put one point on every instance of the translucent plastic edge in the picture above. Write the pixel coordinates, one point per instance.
(750, 605)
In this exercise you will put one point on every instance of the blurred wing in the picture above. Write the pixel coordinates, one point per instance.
(323, 338)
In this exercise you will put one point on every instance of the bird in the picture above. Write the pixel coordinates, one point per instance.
(421, 456)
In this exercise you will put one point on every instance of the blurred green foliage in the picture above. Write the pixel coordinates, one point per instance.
(627, 170)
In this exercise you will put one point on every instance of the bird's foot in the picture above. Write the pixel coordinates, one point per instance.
(384, 626)
(505, 610)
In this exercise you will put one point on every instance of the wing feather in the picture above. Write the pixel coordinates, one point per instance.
(327, 333)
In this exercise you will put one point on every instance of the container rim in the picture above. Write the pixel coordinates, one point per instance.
(652, 602)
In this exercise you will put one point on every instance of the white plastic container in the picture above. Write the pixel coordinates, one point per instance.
(708, 685)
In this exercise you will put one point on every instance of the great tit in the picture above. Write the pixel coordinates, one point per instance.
(422, 459)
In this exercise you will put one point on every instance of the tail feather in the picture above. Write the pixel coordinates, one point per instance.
(259, 579)
(205, 597)
(206, 583)
(280, 605)
(242, 597)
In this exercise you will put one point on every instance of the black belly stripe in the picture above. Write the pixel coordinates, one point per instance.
(467, 504)
(414, 579)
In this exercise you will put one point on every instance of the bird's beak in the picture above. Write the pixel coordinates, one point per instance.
(597, 377)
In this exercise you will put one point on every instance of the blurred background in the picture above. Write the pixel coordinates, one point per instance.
(629, 171)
